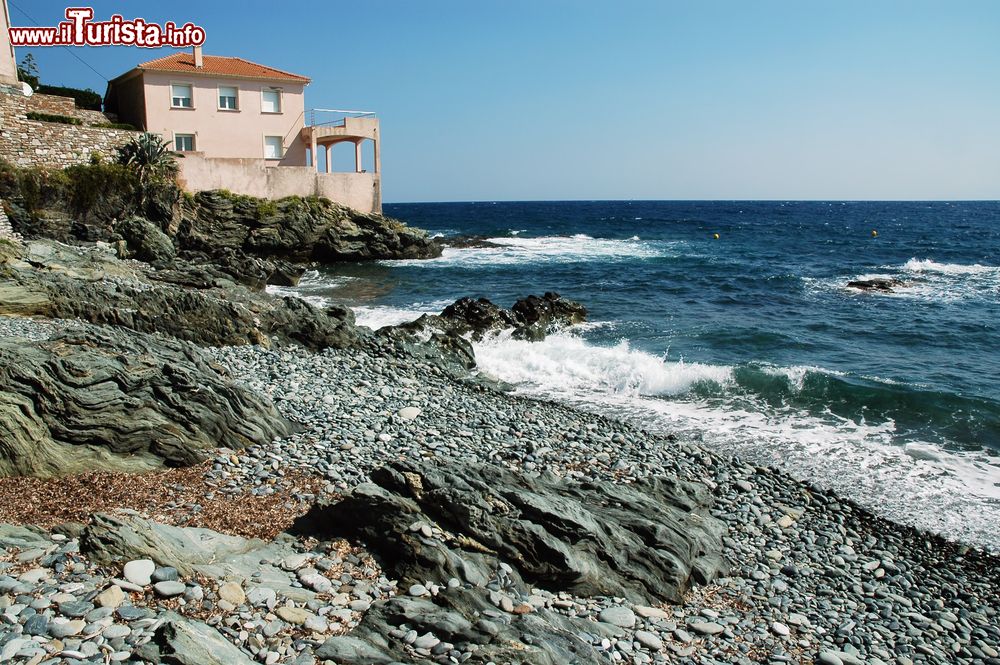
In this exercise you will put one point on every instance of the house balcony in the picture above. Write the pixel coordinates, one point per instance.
(329, 127)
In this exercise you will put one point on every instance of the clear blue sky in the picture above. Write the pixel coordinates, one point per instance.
(540, 99)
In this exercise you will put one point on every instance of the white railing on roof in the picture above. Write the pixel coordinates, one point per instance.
(335, 117)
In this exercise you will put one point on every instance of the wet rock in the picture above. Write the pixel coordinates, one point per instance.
(878, 284)
(539, 316)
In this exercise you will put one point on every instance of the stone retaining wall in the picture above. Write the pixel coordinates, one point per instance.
(6, 230)
(27, 143)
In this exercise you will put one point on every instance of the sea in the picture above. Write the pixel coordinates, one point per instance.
(731, 323)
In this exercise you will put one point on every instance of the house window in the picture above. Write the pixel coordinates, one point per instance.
(180, 96)
(184, 142)
(228, 96)
(270, 100)
(273, 147)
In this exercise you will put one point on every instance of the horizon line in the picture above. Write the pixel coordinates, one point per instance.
(719, 200)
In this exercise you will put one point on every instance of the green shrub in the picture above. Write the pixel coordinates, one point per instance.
(104, 189)
(85, 99)
(50, 117)
(116, 125)
(39, 188)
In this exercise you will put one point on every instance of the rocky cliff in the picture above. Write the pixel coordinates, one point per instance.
(254, 241)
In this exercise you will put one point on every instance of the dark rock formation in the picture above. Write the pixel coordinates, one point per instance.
(879, 284)
(115, 399)
(539, 316)
(145, 241)
(460, 616)
(469, 242)
(296, 229)
(252, 240)
(530, 318)
(438, 346)
(60, 281)
(478, 316)
(646, 542)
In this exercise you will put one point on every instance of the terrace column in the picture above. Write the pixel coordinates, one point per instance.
(357, 156)
(329, 158)
(315, 163)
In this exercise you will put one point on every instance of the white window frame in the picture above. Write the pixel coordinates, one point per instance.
(236, 98)
(190, 87)
(281, 151)
(194, 141)
(281, 101)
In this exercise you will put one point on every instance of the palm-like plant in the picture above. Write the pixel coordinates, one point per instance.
(150, 156)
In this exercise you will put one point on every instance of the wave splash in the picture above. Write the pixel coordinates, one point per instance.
(520, 250)
(782, 416)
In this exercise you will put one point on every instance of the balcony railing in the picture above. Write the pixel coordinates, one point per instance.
(334, 117)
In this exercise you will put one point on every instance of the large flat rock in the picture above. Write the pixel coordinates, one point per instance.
(491, 529)
(647, 541)
(114, 399)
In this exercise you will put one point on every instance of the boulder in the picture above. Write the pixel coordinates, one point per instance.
(102, 399)
(539, 316)
(648, 541)
(128, 537)
(145, 241)
(444, 339)
(182, 641)
(479, 315)
(878, 284)
(530, 318)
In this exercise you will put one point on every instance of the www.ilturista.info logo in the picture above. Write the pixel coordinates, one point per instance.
(80, 30)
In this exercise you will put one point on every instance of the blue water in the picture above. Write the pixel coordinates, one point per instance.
(750, 342)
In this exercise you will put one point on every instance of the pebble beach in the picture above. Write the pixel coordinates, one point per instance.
(813, 578)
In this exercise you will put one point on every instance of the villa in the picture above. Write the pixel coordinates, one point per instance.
(242, 126)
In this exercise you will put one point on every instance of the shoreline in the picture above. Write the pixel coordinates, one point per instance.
(787, 540)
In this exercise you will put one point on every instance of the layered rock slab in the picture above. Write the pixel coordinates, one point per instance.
(116, 399)
(53, 280)
(484, 528)
(649, 540)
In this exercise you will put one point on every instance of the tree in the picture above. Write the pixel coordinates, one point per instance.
(27, 71)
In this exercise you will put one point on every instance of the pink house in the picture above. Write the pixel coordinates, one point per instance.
(242, 126)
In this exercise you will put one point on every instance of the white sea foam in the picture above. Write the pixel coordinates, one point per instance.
(957, 494)
(313, 287)
(379, 316)
(567, 364)
(515, 249)
(923, 279)
(927, 265)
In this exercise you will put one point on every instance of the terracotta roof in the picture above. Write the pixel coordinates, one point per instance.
(219, 65)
